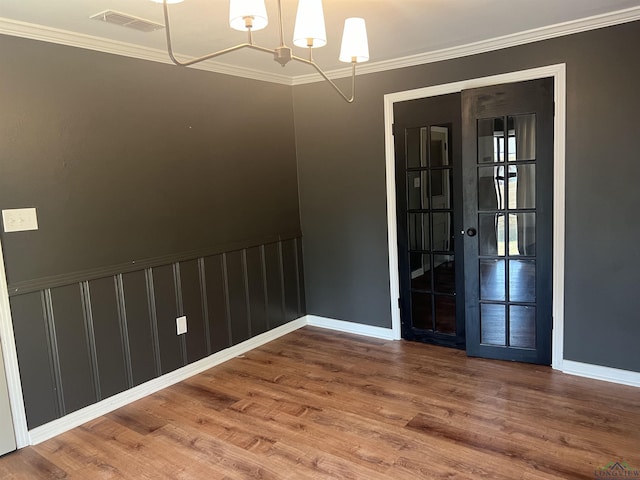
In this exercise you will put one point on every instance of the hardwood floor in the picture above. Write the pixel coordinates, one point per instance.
(325, 405)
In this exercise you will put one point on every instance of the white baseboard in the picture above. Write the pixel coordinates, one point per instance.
(350, 327)
(597, 372)
(77, 418)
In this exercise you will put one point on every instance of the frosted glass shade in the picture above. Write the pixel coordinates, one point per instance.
(354, 41)
(168, 1)
(240, 9)
(309, 29)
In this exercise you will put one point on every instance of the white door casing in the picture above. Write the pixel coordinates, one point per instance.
(558, 72)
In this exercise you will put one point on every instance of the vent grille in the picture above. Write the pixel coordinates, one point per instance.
(129, 21)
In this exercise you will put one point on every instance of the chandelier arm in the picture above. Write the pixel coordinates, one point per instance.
(204, 57)
(324, 75)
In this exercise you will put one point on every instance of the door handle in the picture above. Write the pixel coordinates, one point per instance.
(471, 232)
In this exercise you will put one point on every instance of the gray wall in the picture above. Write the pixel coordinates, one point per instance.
(340, 152)
(160, 192)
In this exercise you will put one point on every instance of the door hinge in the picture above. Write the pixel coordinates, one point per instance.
(393, 129)
(399, 305)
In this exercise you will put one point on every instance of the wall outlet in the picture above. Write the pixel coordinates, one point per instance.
(19, 219)
(181, 325)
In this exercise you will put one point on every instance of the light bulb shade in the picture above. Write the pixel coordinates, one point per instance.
(239, 10)
(309, 30)
(354, 41)
(168, 1)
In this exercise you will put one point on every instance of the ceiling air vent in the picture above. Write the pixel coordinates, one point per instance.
(125, 20)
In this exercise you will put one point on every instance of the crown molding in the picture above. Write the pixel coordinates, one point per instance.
(497, 43)
(72, 39)
(64, 37)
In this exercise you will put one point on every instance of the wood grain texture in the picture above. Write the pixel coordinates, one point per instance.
(318, 404)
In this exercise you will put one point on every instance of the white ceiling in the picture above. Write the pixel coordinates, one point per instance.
(396, 28)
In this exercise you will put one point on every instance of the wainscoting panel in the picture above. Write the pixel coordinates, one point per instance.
(165, 311)
(95, 338)
(141, 336)
(235, 269)
(197, 336)
(109, 355)
(257, 290)
(34, 357)
(216, 303)
(67, 319)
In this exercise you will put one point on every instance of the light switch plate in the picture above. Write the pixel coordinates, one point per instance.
(181, 325)
(19, 219)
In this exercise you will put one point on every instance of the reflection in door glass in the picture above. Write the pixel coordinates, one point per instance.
(445, 314)
(522, 234)
(522, 137)
(522, 280)
(492, 279)
(492, 324)
(442, 232)
(421, 271)
(491, 140)
(417, 190)
(418, 231)
(415, 139)
(421, 310)
(444, 274)
(522, 186)
(522, 326)
(491, 234)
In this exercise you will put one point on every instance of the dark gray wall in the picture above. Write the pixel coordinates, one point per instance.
(160, 192)
(127, 160)
(340, 151)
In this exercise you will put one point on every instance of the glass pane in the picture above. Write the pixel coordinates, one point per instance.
(522, 280)
(415, 138)
(445, 314)
(492, 279)
(491, 188)
(421, 271)
(417, 190)
(441, 188)
(492, 324)
(491, 236)
(444, 273)
(522, 137)
(418, 231)
(442, 231)
(522, 186)
(522, 326)
(491, 140)
(421, 313)
(439, 148)
(522, 234)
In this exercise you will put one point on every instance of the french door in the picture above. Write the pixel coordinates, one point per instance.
(428, 168)
(475, 268)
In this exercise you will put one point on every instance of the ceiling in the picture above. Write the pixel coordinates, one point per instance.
(396, 28)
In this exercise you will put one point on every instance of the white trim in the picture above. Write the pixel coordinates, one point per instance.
(10, 357)
(61, 425)
(65, 37)
(597, 372)
(72, 39)
(350, 327)
(558, 72)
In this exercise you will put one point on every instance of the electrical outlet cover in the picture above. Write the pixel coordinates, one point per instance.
(181, 325)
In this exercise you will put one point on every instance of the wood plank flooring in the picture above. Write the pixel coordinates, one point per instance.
(317, 404)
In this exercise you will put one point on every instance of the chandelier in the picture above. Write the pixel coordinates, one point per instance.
(309, 32)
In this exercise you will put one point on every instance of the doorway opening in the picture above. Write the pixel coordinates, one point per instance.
(557, 72)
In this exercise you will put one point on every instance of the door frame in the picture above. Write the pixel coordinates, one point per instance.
(558, 73)
(10, 357)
